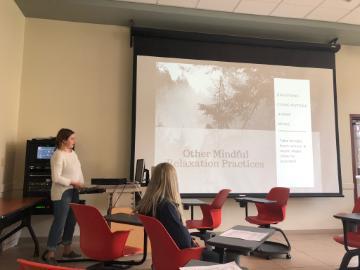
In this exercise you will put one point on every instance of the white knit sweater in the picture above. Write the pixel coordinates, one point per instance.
(65, 167)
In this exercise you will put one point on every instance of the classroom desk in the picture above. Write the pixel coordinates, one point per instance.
(14, 210)
(347, 220)
(191, 203)
(241, 246)
(130, 219)
(199, 263)
(268, 248)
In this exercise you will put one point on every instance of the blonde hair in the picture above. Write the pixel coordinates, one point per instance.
(163, 186)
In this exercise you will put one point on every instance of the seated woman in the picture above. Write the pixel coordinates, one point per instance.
(162, 200)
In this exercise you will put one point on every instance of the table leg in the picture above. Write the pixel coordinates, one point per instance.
(246, 210)
(143, 259)
(109, 210)
(27, 223)
(7, 235)
(192, 212)
(221, 252)
(145, 249)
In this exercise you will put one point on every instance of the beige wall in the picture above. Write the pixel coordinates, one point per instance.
(12, 25)
(79, 76)
(348, 85)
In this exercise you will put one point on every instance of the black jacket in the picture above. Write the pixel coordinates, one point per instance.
(167, 214)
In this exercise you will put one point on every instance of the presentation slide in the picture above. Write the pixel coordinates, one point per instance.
(247, 127)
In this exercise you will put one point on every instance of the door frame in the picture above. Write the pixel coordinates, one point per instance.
(353, 118)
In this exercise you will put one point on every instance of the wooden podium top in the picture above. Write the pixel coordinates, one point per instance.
(9, 206)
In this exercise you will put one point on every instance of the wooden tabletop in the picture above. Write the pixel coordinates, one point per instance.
(12, 205)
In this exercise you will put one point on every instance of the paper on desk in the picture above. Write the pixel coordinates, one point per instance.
(245, 235)
(226, 266)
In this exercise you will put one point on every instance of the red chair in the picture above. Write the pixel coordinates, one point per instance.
(30, 265)
(269, 214)
(96, 239)
(211, 216)
(165, 253)
(352, 240)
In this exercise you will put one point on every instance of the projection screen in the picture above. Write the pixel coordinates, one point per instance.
(238, 125)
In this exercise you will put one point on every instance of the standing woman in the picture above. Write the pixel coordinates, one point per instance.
(66, 177)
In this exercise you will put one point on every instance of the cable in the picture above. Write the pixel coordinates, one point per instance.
(114, 204)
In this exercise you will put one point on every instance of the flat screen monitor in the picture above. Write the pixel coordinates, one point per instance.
(45, 152)
(139, 172)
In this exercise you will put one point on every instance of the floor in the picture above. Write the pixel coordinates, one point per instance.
(309, 251)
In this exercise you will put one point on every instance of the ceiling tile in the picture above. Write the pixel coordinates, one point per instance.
(313, 3)
(340, 4)
(292, 10)
(353, 17)
(327, 14)
(223, 5)
(179, 3)
(140, 1)
(258, 7)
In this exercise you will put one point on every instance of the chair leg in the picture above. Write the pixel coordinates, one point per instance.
(286, 239)
(270, 248)
(345, 261)
(347, 258)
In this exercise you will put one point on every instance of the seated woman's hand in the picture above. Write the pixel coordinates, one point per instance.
(195, 243)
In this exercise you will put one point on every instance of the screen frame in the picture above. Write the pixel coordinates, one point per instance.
(175, 44)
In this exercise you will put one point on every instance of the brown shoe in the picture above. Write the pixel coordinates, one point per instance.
(72, 255)
(48, 260)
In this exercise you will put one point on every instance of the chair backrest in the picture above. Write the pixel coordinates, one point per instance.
(96, 238)
(356, 208)
(220, 199)
(30, 265)
(163, 247)
(275, 211)
(212, 213)
(279, 194)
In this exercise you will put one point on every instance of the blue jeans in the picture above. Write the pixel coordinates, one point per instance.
(209, 255)
(64, 220)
